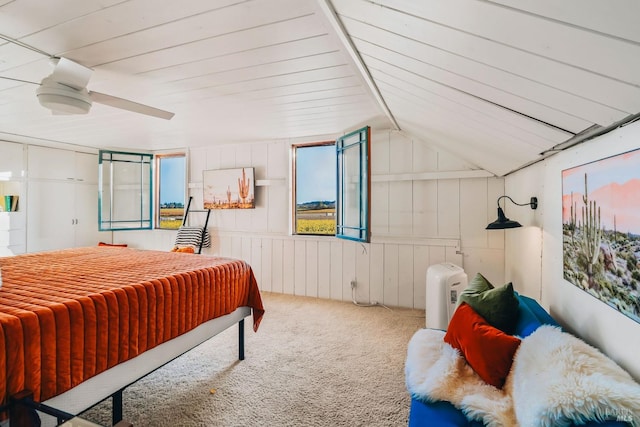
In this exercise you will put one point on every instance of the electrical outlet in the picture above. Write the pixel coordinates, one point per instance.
(353, 284)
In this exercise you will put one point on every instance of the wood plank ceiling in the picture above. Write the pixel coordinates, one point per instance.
(494, 82)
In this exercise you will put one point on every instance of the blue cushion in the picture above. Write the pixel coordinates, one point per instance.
(540, 313)
(441, 414)
(530, 316)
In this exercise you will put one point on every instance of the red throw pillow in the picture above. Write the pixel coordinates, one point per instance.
(488, 350)
(118, 245)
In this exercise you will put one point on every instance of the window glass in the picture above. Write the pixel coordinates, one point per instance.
(315, 189)
(171, 178)
(124, 197)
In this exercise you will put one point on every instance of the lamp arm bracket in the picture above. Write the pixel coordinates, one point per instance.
(533, 202)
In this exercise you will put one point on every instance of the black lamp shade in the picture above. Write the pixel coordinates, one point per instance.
(502, 222)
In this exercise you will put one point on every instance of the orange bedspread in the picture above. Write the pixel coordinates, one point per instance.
(68, 315)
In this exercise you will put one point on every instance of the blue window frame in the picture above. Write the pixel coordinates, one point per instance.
(353, 186)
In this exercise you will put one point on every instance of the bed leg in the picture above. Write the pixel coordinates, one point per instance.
(241, 339)
(116, 408)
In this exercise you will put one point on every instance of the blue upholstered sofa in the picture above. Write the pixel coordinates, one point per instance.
(443, 414)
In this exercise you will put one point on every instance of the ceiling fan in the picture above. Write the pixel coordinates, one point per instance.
(65, 91)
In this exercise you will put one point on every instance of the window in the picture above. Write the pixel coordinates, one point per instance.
(124, 191)
(315, 189)
(353, 175)
(171, 183)
(332, 187)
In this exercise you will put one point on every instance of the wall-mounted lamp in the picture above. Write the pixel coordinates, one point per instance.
(503, 222)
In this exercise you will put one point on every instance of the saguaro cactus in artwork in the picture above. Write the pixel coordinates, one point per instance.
(591, 233)
(243, 187)
(229, 196)
(572, 219)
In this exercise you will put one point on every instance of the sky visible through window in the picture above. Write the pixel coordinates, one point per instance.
(172, 180)
(316, 174)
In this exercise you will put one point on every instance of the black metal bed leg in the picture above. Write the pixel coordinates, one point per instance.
(116, 408)
(241, 339)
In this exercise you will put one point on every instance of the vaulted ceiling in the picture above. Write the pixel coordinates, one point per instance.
(496, 82)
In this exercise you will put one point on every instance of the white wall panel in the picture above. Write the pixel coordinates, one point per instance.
(363, 278)
(300, 267)
(449, 208)
(425, 158)
(406, 271)
(376, 272)
(473, 200)
(495, 189)
(391, 274)
(266, 263)
(400, 153)
(380, 208)
(421, 262)
(348, 268)
(247, 248)
(288, 267)
(337, 261)
(277, 264)
(425, 208)
(255, 245)
(311, 267)
(380, 152)
(324, 269)
(400, 208)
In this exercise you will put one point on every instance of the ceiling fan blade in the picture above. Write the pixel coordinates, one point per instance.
(71, 73)
(125, 104)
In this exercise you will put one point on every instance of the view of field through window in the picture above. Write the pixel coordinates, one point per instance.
(171, 191)
(315, 190)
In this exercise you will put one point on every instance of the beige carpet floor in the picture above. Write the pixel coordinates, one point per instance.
(313, 362)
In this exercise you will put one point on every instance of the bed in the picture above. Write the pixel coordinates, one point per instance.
(79, 325)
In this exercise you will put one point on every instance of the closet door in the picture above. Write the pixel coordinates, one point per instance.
(86, 215)
(62, 199)
(50, 215)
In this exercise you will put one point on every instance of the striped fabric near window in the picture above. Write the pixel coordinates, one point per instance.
(190, 236)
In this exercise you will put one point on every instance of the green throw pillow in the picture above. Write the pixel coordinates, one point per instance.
(498, 306)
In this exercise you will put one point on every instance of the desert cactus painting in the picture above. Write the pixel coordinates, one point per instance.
(601, 230)
(229, 188)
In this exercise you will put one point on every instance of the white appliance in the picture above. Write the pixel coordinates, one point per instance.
(445, 281)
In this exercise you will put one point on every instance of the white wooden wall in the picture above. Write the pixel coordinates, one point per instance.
(427, 207)
(536, 257)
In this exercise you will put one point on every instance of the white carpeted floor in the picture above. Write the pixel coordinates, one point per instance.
(313, 362)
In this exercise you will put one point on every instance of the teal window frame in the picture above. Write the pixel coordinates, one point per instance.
(111, 190)
(353, 196)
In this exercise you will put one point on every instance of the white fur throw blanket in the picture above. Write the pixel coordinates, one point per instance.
(555, 380)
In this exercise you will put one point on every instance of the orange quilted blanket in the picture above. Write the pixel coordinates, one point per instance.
(68, 315)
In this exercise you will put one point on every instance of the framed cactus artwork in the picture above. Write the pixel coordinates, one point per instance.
(601, 230)
(229, 189)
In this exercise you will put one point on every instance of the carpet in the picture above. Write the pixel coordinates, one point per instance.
(314, 362)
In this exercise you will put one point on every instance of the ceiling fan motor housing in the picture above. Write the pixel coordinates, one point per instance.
(62, 99)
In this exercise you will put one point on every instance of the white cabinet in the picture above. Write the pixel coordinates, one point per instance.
(62, 200)
(12, 224)
(63, 165)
